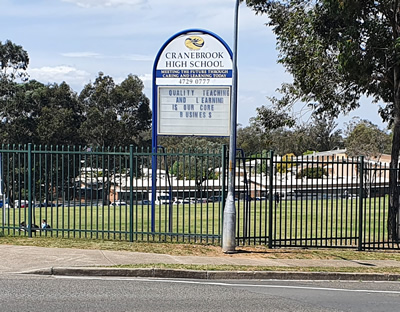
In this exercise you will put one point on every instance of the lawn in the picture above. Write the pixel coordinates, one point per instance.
(318, 222)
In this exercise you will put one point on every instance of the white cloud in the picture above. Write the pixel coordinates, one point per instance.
(128, 57)
(148, 84)
(106, 3)
(81, 54)
(74, 77)
(138, 57)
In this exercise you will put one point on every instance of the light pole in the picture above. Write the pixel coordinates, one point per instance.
(228, 233)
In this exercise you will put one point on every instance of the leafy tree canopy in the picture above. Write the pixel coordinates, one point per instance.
(41, 114)
(338, 51)
(365, 138)
(252, 139)
(320, 133)
(14, 61)
(273, 118)
(115, 114)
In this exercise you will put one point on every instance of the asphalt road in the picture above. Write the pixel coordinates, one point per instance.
(41, 293)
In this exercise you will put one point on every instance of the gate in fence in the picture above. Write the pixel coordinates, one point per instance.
(314, 201)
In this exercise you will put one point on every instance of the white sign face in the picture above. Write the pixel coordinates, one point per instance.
(193, 77)
(194, 59)
(203, 111)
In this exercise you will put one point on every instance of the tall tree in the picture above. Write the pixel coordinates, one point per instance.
(14, 61)
(60, 116)
(338, 51)
(115, 114)
(291, 141)
(252, 139)
(271, 118)
(365, 138)
(324, 133)
(134, 110)
(283, 135)
(45, 115)
(101, 126)
(20, 113)
(41, 114)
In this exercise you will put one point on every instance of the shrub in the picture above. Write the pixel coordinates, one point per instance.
(311, 173)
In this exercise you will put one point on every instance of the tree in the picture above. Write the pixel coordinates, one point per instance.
(319, 134)
(323, 133)
(273, 118)
(290, 141)
(133, 107)
(14, 61)
(193, 159)
(275, 124)
(115, 114)
(252, 139)
(311, 173)
(365, 138)
(32, 112)
(61, 116)
(101, 126)
(286, 163)
(40, 114)
(338, 51)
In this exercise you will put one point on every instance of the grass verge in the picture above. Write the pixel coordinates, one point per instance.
(179, 249)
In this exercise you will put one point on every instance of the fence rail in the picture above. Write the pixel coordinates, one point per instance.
(106, 194)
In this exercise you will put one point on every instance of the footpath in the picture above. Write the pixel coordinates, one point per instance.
(84, 262)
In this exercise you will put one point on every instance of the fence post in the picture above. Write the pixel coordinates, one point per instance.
(30, 189)
(270, 198)
(131, 193)
(223, 165)
(2, 192)
(360, 208)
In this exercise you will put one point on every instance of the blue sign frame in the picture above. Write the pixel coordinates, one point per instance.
(155, 108)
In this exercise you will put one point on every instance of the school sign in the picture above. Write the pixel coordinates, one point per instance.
(192, 82)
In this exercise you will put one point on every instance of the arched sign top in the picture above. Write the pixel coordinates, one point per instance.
(192, 81)
(190, 32)
(194, 54)
(194, 31)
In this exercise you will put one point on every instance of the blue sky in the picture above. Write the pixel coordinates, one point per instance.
(73, 40)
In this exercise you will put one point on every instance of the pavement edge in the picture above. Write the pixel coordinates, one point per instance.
(212, 275)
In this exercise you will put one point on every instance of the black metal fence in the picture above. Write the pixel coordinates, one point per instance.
(322, 201)
(314, 201)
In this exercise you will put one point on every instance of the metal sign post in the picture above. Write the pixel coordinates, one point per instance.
(228, 235)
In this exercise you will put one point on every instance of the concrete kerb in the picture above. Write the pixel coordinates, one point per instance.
(212, 275)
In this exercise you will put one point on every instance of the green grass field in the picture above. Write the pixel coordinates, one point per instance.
(299, 222)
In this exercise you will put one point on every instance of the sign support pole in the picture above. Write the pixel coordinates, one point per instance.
(228, 233)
